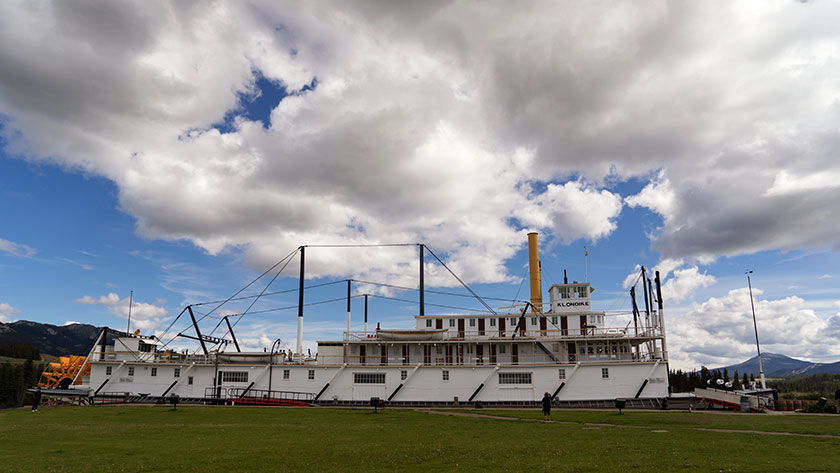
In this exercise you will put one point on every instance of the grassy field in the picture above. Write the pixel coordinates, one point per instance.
(209, 439)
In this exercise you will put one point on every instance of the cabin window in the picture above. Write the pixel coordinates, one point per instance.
(439, 350)
(451, 322)
(493, 322)
(108, 371)
(177, 373)
(605, 373)
(561, 373)
(369, 378)
(445, 375)
(189, 380)
(472, 322)
(428, 323)
(131, 371)
(513, 321)
(533, 321)
(403, 375)
(311, 375)
(469, 349)
(154, 371)
(554, 320)
(285, 374)
(514, 378)
(501, 349)
(234, 376)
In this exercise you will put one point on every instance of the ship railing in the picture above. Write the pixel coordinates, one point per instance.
(154, 357)
(220, 392)
(507, 334)
(464, 357)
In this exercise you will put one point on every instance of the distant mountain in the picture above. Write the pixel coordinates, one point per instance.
(776, 365)
(74, 339)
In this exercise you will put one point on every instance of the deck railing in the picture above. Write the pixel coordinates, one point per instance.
(503, 335)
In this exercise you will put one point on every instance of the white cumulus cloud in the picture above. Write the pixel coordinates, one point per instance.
(147, 317)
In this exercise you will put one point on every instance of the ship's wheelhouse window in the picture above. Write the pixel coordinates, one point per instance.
(108, 371)
(131, 371)
(514, 378)
(176, 373)
(445, 375)
(561, 373)
(472, 322)
(369, 378)
(285, 374)
(403, 375)
(451, 322)
(189, 380)
(154, 371)
(311, 375)
(145, 347)
(605, 373)
(582, 291)
(564, 292)
(493, 322)
(234, 376)
(428, 322)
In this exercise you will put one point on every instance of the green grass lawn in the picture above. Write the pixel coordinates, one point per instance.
(209, 439)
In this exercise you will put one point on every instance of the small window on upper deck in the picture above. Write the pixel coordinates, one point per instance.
(565, 293)
(428, 322)
(472, 322)
(493, 322)
(451, 322)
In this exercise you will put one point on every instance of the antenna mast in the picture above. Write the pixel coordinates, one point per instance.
(130, 300)
(755, 324)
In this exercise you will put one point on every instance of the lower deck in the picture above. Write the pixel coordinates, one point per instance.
(395, 383)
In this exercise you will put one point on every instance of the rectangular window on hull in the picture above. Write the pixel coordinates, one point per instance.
(285, 374)
(514, 378)
(445, 375)
(403, 375)
(311, 375)
(234, 376)
(369, 378)
(189, 380)
(108, 371)
(131, 371)
(562, 373)
(154, 371)
(605, 373)
(177, 373)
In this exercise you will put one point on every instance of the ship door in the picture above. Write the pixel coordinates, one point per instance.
(564, 325)
(479, 354)
(480, 327)
(514, 353)
(492, 353)
(460, 328)
(502, 326)
(572, 352)
(583, 325)
(543, 325)
(438, 323)
(427, 354)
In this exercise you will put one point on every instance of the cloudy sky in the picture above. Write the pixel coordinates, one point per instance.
(181, 149)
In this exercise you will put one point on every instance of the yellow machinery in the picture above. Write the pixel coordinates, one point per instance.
(60, 374)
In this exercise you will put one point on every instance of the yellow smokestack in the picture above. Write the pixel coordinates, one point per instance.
(534, 265)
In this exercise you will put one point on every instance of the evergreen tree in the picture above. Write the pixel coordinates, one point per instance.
(736, 381)
(725, 375)
(746, 381)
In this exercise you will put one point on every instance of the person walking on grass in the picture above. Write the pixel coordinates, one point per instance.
(546, 406)
(36, 399)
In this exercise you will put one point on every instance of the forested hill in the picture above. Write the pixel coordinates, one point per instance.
(776, 365)
(74, 339)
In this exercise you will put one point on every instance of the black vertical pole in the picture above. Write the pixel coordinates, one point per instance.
(104, 343)
(647, 301)
(300, 291)
(197, 332)
(348, 295)
(366, 305)
(230, 329)
(635, 309)
(422, 284)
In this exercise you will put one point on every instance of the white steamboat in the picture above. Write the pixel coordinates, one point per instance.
(563, 348)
